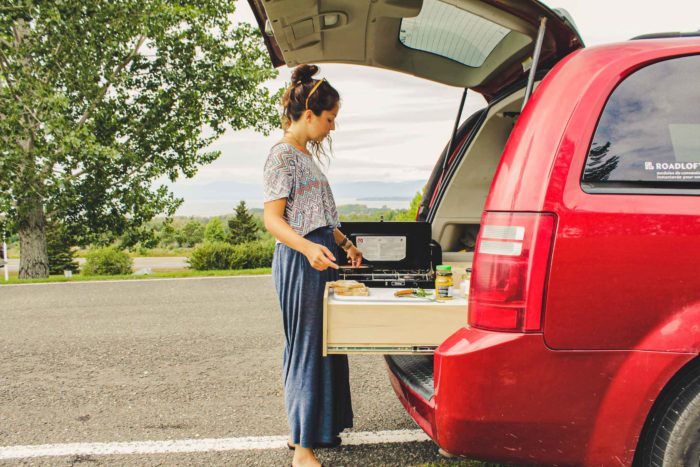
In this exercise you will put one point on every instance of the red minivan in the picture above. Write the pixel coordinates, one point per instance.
(573, 195)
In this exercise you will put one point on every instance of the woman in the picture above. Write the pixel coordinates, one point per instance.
(300, 212)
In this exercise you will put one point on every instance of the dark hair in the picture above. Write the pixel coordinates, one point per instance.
(325, 97)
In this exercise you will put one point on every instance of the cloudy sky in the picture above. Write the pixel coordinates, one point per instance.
(392, 126)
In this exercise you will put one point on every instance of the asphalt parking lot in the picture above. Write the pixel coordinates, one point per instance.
(162, 360)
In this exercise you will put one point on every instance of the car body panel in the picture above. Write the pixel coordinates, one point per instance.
(534, 404)
(615, 255)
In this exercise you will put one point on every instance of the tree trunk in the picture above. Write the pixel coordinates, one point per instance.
(33, 259)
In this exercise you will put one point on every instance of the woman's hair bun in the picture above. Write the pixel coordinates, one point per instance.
(303, 73)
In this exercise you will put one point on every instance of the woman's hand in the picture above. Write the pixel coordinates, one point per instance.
(320, 257)
(354, 256)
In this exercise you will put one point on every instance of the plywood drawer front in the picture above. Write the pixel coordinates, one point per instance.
(399, 326)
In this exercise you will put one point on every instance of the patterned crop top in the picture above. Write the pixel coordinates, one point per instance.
(292, 174)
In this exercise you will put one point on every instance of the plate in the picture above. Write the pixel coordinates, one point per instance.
(384, 295)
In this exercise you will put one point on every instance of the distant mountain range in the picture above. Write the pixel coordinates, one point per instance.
(251, 193)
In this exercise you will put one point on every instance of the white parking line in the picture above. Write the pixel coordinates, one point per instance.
(138, 281)
(198, 445)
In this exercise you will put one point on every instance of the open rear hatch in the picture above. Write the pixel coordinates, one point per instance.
(488, 46)
(483, 45)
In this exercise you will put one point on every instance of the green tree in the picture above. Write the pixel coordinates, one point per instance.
(167, 235)
(410, 214)
(190, 234)
(243, 227)
(99, 100)
(59, 249)
(215, 232)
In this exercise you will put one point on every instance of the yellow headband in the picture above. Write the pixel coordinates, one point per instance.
(318, 83)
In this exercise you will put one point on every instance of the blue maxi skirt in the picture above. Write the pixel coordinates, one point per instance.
(316, 388)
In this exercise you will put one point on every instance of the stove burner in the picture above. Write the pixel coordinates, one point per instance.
(387, 275)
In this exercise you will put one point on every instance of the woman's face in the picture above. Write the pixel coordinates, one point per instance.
(320, 126)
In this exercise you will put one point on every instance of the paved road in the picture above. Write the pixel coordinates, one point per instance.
(155, 263)
(169, 359)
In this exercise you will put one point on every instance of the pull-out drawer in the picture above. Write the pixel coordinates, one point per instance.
(384, 324)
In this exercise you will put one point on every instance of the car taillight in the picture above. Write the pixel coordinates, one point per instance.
(509, 271)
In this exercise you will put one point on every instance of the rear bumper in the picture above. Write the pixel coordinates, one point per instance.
(507, 397)
(418, 404)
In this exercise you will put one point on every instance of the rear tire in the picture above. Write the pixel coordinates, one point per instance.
(672, 438)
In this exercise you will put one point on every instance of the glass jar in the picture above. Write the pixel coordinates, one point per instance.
(444, 284)
(464, 283)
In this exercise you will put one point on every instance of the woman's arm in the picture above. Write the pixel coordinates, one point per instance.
(318, 255)
(354, 255)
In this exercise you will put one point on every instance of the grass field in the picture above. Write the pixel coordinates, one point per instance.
(156, 275)
(148, 252)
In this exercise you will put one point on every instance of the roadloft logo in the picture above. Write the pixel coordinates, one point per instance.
(672, 166)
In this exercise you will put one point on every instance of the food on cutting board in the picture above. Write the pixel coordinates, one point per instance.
(420, 293)
(355, 291)
(349, 288)
(346, 284)
(403, 293)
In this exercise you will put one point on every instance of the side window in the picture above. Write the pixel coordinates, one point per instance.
(648, 136)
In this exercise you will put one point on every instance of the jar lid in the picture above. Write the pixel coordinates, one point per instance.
(443, 267)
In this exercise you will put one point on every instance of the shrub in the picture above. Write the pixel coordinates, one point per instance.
(107, 261)
(222, 255)
(211, 255)
(215, 231)
(257, 254)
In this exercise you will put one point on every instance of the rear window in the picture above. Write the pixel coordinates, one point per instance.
(648, 136)
(451, 32)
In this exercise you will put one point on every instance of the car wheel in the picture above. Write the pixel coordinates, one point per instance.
(673, 435)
